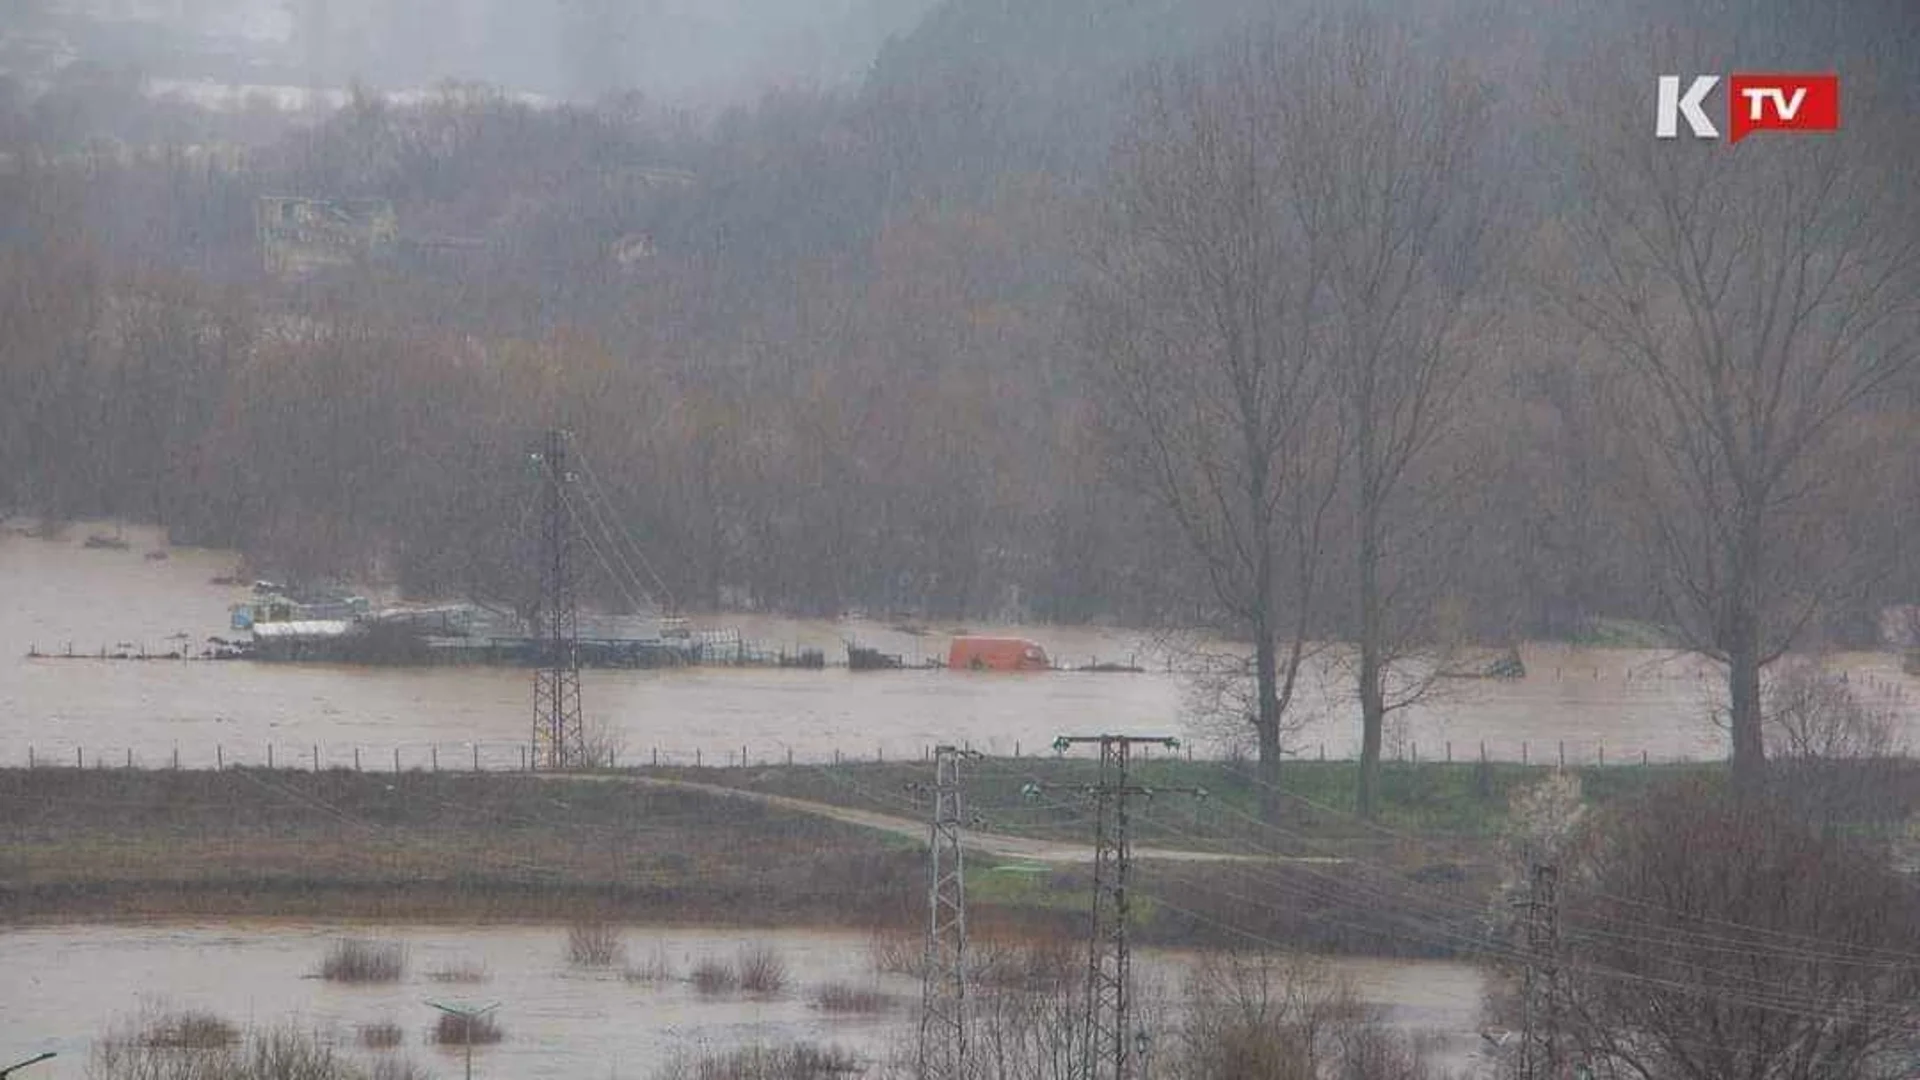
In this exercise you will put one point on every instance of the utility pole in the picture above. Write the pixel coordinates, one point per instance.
(1107, 1040)
(943, 999)
(1540, 1050)
(558, 739)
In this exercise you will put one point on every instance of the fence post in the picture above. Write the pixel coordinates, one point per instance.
(356, 759)
(219, 756)
(789, 757)
(1603, 753)
(476, 757)
(1523, 752)
(316, 757)
(1323, 751)
(656, 757)
(79, 758)
(129, 757)
(434, 752)
(1483, 751)
(396, 760)
(696, 758)
(29, 755)
(1449, 751)
(269, 755)
(1563, 753)
(176, 757)
(1643, 759)
(743, 755)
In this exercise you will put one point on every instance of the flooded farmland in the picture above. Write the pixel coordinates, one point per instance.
(1584, 702)
(66, 984)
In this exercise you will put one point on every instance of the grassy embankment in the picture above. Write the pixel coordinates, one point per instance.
(80, 844)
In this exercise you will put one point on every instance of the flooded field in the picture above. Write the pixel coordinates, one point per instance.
(66, 984)
(1621, 703)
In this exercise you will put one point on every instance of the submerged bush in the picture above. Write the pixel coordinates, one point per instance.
(188, 1031)
(284, 1053)
(762, 970)
(840, 997)
(593, 944)
(796, 1061)
(451, 1030)
(363, 960)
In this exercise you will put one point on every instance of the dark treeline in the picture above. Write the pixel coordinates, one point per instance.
(826, 352)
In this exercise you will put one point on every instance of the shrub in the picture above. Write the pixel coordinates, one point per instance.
(762, 970)
(463, 972)
(797, 1061)
(453, 1030)
(714, 977)
(840, 997)
(188, 1031)
(657, 968)
(593, 944)
(897, 952)
(277, 1054)
(363, 960)
(397, 1069)
(382, 1036)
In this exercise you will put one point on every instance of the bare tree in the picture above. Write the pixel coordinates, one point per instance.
(1386, 160)
(1208, 381)
(1753, 301)
(1713, 936)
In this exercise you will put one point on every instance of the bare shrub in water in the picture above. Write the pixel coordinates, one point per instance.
(712, 976)
(593, 944)
(762, 970)
(284, 1053)
(795, 1061)
(451, 1030)
(656, 968)
(840, 997)
(364, 960)
(189, 1030)
(381, 1036)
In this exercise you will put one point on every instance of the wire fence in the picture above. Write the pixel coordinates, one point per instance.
(502, 756)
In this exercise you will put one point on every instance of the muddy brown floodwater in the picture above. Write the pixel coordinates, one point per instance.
(66, 984)
(54, 594)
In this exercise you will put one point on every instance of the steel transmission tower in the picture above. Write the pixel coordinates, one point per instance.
(558, 740)
(1108, 1039)
(943, 1013)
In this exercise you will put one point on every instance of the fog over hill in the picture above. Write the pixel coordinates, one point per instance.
(685, 51)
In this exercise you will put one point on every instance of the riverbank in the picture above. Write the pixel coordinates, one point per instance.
(782, 846)
(118, 844)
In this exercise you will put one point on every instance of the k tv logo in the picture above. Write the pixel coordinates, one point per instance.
(1755, 102)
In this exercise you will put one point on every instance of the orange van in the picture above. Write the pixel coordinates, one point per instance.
(996, 654)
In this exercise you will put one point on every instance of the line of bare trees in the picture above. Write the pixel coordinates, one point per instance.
(1295, 314)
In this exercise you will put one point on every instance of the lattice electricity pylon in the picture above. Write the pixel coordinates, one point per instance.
(559, 740)
(943, 1005)
(1107, 1041)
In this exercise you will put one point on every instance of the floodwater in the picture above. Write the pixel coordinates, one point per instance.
(55, 595)
(66, 985)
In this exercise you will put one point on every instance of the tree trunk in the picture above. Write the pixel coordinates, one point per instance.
(1743, 693)
(1267, 679)
(1373, 706)
(1742, 628)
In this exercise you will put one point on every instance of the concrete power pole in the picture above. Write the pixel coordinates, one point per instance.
(943, 1012)
(1540, 1027)
(1108, 1041)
